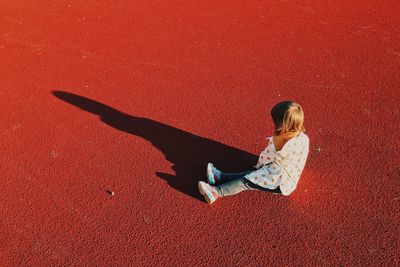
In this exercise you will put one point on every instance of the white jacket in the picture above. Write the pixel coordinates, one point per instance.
(281, 168)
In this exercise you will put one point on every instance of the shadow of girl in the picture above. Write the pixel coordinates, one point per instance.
(188, 153)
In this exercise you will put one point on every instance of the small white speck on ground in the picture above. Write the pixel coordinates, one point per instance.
(317, 149)
(111, 193)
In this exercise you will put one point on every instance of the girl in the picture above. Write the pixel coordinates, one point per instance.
(279, 166)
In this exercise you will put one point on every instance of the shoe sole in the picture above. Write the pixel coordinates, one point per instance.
(210, 174)
(204, 192)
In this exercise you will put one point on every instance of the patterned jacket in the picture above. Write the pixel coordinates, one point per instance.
(281, 168)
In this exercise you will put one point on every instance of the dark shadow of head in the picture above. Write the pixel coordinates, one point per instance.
(188, 153)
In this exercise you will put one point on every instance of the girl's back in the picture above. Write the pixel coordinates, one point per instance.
(280, 140)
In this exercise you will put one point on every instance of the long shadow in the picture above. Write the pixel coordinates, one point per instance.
(188, 153)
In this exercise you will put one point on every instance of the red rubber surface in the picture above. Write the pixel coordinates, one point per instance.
(135, 97)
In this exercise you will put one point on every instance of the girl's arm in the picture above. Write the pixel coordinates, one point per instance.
(266, 156)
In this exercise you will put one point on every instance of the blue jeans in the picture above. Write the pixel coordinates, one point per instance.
(234, 183)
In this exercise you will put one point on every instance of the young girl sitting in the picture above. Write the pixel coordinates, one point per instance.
(279, 166)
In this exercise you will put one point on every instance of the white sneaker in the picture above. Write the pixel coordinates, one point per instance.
(209, 192)
(212, 177)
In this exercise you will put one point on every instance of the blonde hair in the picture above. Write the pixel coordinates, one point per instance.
(288, 116)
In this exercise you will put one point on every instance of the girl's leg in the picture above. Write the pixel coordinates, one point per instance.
(234, 187)
(227, 177)
(215, 176)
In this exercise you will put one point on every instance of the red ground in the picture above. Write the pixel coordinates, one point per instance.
(135, 97)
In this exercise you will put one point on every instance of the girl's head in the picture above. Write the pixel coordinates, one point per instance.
(288, 117)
